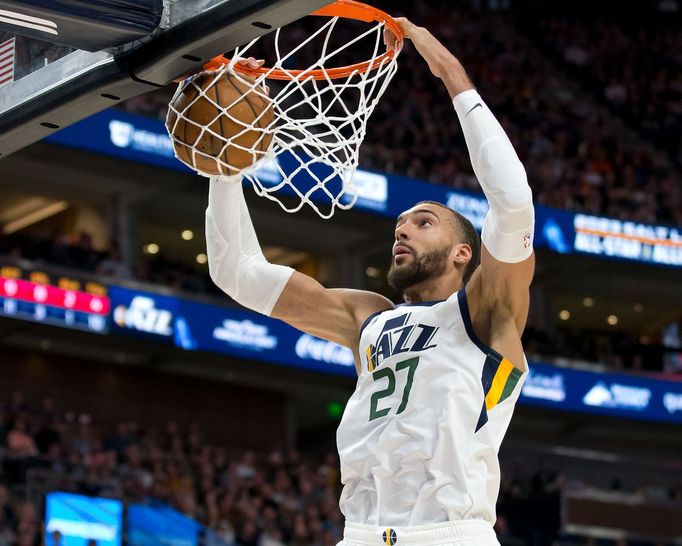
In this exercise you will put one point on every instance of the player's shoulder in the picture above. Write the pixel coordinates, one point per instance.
(364, 299)
(363, 303)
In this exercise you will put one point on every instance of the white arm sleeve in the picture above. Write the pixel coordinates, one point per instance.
(508, 228)
(235, 260)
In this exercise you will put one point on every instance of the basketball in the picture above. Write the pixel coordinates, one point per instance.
(223, 121)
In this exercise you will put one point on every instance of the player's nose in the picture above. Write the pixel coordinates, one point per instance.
(402, 232)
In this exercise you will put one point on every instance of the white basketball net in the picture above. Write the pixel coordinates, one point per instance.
(318, 124)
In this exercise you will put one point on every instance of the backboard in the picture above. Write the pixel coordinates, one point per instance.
(54, 85)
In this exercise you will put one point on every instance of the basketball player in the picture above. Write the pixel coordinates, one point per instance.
(438, 376)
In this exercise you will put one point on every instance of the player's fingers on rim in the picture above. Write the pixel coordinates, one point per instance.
(407, 26)
(389, 39)
(251, 62)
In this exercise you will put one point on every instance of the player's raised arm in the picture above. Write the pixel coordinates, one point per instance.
(507, 261)
(237, 266)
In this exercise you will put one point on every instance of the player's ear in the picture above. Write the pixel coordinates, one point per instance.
(461, 254)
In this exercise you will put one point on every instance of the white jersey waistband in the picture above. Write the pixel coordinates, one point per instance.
(435, 533)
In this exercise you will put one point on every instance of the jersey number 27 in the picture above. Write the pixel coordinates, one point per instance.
(411, 366)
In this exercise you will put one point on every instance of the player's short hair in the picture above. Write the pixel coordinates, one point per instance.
(466, 233)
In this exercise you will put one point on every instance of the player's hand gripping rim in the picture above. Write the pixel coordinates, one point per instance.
(248, 62)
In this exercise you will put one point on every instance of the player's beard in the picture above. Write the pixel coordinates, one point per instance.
(422, 268)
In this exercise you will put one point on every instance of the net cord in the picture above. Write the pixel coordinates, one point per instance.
(329, 134)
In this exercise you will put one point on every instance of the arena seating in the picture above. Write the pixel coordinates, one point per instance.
(246, 498)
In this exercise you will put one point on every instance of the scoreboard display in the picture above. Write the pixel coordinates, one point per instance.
(56, 300)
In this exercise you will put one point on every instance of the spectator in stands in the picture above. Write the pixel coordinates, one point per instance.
(121, 439)
(19, 442)
(8, 518)
(28, 526)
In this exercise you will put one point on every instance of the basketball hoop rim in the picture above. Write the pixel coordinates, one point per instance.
(347, 9)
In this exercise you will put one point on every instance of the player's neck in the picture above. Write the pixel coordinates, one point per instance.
(437, 289)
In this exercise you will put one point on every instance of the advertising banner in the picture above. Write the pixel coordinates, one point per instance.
(195, 326)
(619, 395)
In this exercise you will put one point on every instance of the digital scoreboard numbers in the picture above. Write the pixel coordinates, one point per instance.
(55, 300)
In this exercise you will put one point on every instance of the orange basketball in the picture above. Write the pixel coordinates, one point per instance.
(225, 140)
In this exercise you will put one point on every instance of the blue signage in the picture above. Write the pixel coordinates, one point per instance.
(151, 525)
(143, 314)
(570, 233)
(77, 520)
(613, 394)
(142, 139)
(117, 133)
(198, 326)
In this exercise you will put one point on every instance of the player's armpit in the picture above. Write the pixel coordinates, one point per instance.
(504, 287)
(498, 299)
(332, 314)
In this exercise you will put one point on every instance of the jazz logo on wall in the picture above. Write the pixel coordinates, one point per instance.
(143, 316)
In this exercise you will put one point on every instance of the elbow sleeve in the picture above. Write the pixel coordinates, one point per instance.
(509, 225)
(235, 261)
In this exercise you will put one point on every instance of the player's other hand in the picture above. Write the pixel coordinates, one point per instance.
(435, 54)
(442, 63)
(408, 28)
(251, 62)
(254, 64)
(217, 65)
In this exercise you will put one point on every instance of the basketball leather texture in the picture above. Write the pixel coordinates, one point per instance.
(244, 136)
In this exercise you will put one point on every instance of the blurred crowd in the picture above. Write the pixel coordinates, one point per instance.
(246, 499)
(637, 68)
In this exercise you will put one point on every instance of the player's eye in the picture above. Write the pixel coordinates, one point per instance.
(425, 222)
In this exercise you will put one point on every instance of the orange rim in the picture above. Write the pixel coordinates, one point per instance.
(348, 9)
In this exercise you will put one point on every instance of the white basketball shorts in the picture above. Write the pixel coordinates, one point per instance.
(470, 532)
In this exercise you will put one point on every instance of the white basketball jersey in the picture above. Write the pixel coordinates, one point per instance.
(419, 438)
